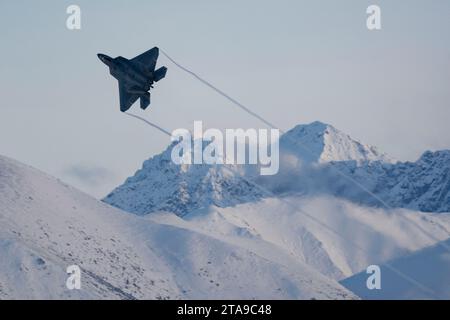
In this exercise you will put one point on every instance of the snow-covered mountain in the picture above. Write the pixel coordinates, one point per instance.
(314, 159)
(45, 226)
(422, 185)
(163, 185)
(318, 142)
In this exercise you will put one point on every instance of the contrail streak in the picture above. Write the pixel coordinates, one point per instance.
(234, 101)
(149, 123)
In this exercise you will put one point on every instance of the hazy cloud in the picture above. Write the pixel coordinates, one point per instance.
(90, 175)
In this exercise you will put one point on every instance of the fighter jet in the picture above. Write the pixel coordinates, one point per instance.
(135, 76)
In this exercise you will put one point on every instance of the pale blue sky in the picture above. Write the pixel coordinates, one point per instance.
(291, 61)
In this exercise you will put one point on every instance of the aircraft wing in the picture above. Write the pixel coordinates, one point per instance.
(147, 60)
(126, 99)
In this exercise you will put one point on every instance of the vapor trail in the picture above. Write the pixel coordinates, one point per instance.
(234, 101)
(149, 123)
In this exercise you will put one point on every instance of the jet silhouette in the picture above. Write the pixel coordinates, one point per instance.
(135, 76)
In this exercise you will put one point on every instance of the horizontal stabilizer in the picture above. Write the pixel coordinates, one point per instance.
(145, 101)
(159, 74)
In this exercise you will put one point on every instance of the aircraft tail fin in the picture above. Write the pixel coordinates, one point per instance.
(160, 74)
(145, 100)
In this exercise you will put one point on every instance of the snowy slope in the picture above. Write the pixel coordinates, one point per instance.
(338, 239)
(46, 226)
(429, 267)
(335, 237)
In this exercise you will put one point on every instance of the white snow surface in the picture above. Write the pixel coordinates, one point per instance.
(45, 226)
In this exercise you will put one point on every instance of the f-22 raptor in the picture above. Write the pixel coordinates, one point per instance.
(135, 76)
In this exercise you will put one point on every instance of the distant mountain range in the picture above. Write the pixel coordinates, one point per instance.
(315, 159)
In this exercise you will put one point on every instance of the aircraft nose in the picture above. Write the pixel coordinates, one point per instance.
(103, 58)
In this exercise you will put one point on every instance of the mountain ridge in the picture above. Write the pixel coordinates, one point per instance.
(313, 158)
